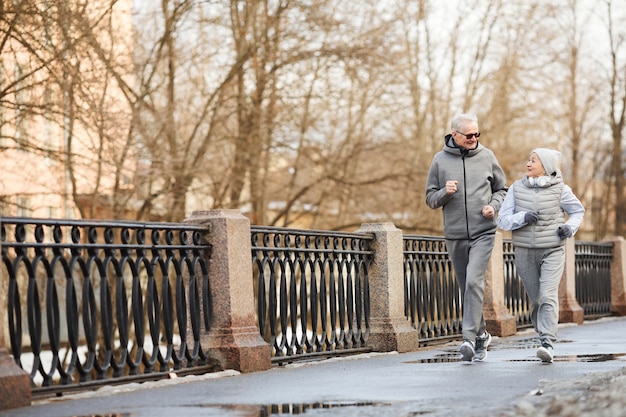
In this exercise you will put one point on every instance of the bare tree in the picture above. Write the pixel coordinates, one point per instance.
(45, 44)
(581, 137)
(320, 115)
(617, 114)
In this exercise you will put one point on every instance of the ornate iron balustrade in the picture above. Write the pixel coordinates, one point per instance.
(95, 302)
(593, 278)
(515, 298)
(312, 290)
(432, 299)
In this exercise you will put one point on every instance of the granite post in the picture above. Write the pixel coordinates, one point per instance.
(390, 330)
(500, 322)
(618, 276)
(15, 390)
(233, 339)
(569, 309)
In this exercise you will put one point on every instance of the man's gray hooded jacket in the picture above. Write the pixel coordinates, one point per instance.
(481, 181)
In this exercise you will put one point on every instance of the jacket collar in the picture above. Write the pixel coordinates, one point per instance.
(451, 147)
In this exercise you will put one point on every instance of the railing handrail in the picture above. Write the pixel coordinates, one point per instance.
(100, 223)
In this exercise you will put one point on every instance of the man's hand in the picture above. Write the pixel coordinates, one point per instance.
(488, 212)
(451, 186)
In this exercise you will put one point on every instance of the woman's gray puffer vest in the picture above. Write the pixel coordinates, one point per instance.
(542, 195)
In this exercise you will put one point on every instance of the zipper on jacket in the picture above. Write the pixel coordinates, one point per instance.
(533, 227)
(465, 198)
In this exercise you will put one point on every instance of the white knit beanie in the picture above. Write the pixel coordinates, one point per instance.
(550, 159)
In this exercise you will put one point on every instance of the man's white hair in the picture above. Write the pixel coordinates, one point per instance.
(460, 118)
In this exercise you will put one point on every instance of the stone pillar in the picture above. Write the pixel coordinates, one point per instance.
(500, 322)
(618, 276)
(15, 390)
(569, 309)
(390, 330)
(233, 339)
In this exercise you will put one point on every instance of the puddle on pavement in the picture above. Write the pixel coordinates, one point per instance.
(441, 358)
(273, 409)
(268, 410)
(290, 409)
(598, 358)
(106, 415)
(602, 357)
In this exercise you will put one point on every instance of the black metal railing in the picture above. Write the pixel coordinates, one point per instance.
(94, 302)
(515, 298)
(432, 299)
(593, 278)
(312, 290)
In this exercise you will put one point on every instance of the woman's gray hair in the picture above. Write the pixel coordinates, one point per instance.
(461, 118)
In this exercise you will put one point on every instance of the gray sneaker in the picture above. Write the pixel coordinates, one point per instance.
(545, 353)
(467, 351)
(482, 342)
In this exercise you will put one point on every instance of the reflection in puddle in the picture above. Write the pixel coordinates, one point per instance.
(602, 357)
(273, 409)
(106, 415)
(290, 409)
(443, 358)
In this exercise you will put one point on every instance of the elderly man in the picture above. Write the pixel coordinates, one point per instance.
(467, 182)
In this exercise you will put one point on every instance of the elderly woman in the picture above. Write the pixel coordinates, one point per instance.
(534, 209)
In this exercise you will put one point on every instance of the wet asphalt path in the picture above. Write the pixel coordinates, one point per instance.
(432, 382)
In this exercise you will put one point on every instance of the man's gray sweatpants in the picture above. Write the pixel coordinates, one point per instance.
(470, 259)
(541, 271)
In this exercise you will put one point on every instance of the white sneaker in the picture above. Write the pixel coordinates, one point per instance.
(467, 351)
(482, 342)
(545, 353)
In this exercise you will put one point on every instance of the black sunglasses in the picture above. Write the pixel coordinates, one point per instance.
(471, 135)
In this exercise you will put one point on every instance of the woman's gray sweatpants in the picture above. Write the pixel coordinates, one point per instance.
(541, 271)
(470, 259)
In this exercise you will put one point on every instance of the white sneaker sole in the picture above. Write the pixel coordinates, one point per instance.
(544, 355)
(467, 353)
